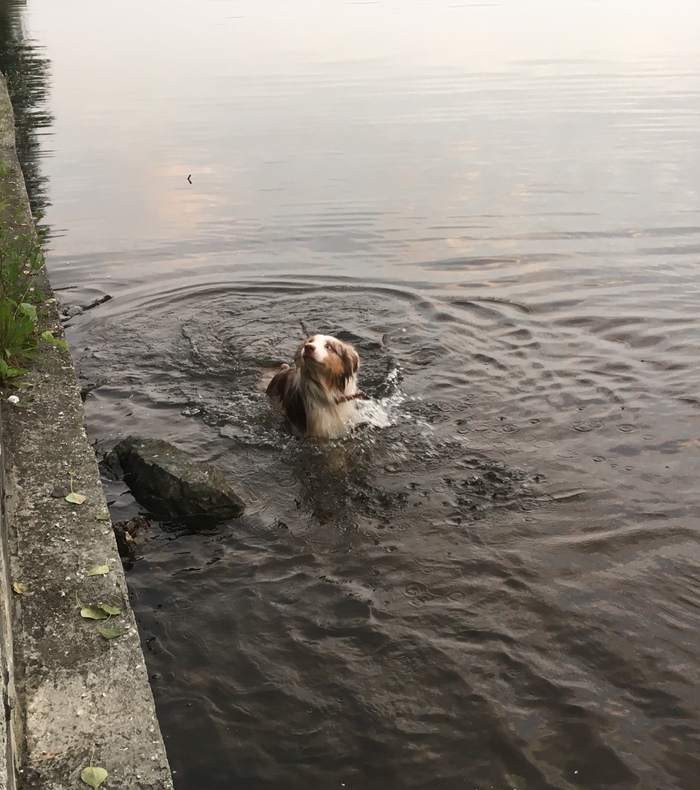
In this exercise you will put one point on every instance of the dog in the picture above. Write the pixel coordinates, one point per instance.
(317, 394)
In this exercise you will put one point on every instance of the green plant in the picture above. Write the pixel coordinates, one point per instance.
(21, 262)
(17, 338)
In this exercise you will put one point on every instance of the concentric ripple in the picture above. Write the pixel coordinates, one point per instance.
(447, 592)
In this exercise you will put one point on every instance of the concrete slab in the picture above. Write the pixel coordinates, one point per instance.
(7, 692)
(79, 695)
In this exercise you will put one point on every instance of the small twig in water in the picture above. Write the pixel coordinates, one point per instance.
(98, 302)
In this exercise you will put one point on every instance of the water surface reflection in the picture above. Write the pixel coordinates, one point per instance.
(26, 71)
(498, 204)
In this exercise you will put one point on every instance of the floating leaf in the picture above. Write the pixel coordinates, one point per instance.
(102, 517)
(98, 570)
(93, 776)
(75, 498)
(19, 587)
(109, 609)
(111, 633)
(94, 613)
(516, 782)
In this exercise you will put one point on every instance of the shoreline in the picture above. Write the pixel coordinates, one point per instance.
(69, 692)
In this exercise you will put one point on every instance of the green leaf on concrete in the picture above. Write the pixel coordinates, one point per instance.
(93, 776)
(111, 633)
(109, 609)
(98, 570)
(75, 498)
(55, 341)
(99, 611)
(19, 587)
(94, 613)
(102, 517)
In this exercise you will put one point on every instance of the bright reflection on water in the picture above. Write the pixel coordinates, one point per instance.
(498, 204)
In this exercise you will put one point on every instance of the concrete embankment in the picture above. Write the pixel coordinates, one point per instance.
(72, 697)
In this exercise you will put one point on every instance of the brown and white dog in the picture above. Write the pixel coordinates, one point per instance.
(317, 395)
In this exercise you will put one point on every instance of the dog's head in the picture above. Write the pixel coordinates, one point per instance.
(328, 360)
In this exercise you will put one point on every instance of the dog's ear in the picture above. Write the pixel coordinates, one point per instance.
(351, 360)
(298, 353)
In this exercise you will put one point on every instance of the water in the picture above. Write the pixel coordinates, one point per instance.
(494, 583)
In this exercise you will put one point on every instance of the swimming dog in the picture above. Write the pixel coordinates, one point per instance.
(317, 394)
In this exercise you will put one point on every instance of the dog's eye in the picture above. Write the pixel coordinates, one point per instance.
(328, 347)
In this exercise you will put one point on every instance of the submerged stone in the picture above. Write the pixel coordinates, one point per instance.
(125, 532)
(169, 483)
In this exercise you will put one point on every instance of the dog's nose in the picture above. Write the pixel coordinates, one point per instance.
(309, 349)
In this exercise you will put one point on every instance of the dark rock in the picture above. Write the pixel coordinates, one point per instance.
(70, 311)
(169, 483)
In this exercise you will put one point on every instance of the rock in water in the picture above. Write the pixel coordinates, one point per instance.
(125, 532)
(169, 483)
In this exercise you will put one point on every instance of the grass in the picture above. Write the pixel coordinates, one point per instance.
(21, 263)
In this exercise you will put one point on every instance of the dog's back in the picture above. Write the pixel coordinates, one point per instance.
(285, 393)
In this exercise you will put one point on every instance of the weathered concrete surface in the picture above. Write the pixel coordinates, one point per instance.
(11, 193)
(77, 692)
(7, 692)
(165, 480)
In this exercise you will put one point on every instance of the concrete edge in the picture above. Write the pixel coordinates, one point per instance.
(8, 756)
(78, 694)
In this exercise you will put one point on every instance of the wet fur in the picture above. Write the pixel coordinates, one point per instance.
(308, 394)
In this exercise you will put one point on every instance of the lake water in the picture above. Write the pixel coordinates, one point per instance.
(496, 583)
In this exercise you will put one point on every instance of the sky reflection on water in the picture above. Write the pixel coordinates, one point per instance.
(329, 133)
(498, 202)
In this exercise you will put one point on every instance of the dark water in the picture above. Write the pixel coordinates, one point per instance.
(495, 582)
